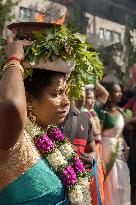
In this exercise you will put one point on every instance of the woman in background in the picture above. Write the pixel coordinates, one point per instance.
(98, 95)
(117, 184)
(129, 134)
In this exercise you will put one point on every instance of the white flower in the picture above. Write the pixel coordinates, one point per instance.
(84, 182)
(76, 196)
(32, 63)
(81, 193)
(56, 159)
(66, 149)
(85, 187)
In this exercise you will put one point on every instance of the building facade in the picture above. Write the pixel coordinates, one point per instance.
(37, 11)
(103, 32)
(102, 20)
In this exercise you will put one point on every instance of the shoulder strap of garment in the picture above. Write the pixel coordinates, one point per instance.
(73, 128)
(121, 110)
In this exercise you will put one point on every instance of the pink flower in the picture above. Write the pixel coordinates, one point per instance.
(44, 144)
(68, 176)
(78, 165)
(56, 135)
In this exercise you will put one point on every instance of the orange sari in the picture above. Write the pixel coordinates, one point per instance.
(93, 186)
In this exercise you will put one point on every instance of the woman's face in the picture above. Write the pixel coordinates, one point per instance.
(80, 102)
(90, 99)
(53, 106)
(116, 94)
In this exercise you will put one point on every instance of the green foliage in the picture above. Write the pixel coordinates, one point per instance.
(2, 54)
(129, 49)
(66, 45)
(74, 17)
(108, 56)
(126, 52)
(6, 11)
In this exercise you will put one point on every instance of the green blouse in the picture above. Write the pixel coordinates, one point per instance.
(107, 120)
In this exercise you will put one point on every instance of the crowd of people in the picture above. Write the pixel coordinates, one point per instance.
(115, 180)
(99, 138)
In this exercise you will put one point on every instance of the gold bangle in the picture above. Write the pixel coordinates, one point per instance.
(13, 64)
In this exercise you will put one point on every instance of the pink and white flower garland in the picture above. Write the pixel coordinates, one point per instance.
(61, 156)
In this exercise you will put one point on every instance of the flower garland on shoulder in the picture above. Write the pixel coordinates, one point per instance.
(57, 150)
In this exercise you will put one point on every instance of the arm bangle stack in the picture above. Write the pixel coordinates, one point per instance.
(13, 64)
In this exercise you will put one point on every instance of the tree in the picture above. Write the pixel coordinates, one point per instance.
(118, 59)
(112, 56)
(6, 12)
(129, 48)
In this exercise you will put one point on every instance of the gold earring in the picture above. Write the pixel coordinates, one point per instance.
(32, 117)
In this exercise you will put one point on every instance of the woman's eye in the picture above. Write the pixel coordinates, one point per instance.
(55, 94)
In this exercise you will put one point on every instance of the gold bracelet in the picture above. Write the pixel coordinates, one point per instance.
(13, 64)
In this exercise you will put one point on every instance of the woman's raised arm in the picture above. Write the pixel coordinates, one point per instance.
(13, 111)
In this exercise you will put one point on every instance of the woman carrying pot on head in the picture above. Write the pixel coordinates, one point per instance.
(36, 163)
(26, 178)
(116, 184)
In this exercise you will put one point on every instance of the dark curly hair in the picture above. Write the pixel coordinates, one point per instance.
(39, 80)
(109, 86)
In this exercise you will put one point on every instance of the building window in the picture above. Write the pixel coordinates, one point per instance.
(116, 37)
(108, 35)
(101, 33)
(25, 14)
(40, 18)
